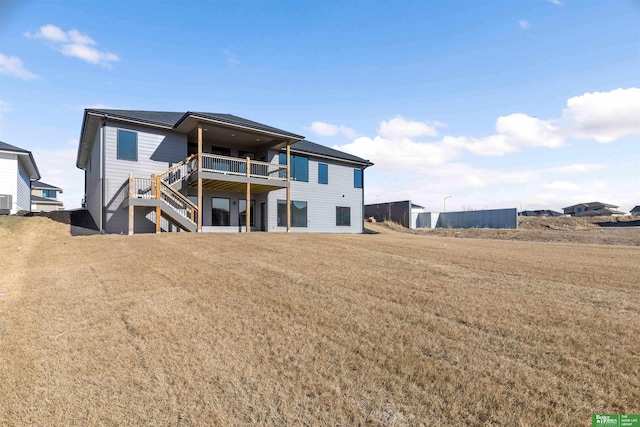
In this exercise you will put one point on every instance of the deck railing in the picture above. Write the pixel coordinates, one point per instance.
(237, 166)
(142, 188)
(180, 171)
(179, 202)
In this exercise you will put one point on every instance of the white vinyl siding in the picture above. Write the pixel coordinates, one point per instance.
(23, 189)
(322, 199)
(92, 183)
(157, 151)
(8, 174)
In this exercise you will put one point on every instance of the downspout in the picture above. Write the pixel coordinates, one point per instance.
(362, 221)
(102, 168)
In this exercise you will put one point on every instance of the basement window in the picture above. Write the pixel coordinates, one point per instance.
(298, 213)
(127, 145)
(343, 216)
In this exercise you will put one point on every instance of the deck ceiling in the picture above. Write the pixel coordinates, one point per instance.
(235, 187)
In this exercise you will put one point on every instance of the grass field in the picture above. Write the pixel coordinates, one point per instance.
(289, 329)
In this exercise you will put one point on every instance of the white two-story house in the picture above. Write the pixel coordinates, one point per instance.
(151, 171)
(17, 170)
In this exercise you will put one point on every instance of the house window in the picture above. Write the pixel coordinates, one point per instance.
(357, 178)
(220, 211)
(49, 194)
(299, 167)
(127, 145)
(242, 212)
(323, 173)
(343, 216)
(298, 213)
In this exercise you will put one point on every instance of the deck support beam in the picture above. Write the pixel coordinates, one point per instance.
(199, 177)
(247, 212)
(158, 219)
(289, 186)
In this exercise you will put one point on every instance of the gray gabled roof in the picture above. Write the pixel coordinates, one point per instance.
(30, 165)
(635, 209)
(592, 205)
(162, 118)
(39, 185)
(38, 199)
(235, 120)
(313, 148)
(8, 147)
(172, 120)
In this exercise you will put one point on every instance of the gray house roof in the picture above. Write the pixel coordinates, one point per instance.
(317, 149)
(635, 209)
(24, 157)
(591, 205)
(171, 120)
(39, 185)
(8, 147)
(44, 200)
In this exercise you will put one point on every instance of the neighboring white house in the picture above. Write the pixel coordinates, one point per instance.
(149, 171)
(17, 170)
(44, 197)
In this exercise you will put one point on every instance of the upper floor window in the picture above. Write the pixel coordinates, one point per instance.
(357, 178)
(127, 145)
(299, 167)
(49, 194)
(323, 173)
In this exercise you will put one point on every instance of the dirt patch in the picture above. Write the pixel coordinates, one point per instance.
(598, 231)
(308, 329)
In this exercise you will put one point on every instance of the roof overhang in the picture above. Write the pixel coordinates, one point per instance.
(191, 120)
(364, 163)
(91, 124)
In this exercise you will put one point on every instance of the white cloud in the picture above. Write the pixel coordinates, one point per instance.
(327, 129)
(12, 65)
(399, 128)
(5, 107)
(524, 24)
(575, 168)
(398, 153)
(75, 44)
(57, 167)
(563, 185)
(603, 116)
(231, 58)
(556, 2)
(514, 132)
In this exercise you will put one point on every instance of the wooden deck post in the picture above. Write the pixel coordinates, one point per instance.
(158, 219)
(131, 212)
(247, 212)
(288, 187)
(199, 177)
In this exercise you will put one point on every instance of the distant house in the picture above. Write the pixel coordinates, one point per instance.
(635, 211)
(17, 170)
(592, 209)
(541, 212)
(44, 197)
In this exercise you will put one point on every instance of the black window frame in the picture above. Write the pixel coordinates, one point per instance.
(340, 216)
(228, 213)
(323, 167)
(297, 172)
(358, 175)
(282, 214)
(252, 212)
(120, 153)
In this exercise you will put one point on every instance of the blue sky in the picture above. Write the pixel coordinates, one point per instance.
(527, 104)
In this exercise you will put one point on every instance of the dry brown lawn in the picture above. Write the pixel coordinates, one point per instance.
(289, 329)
